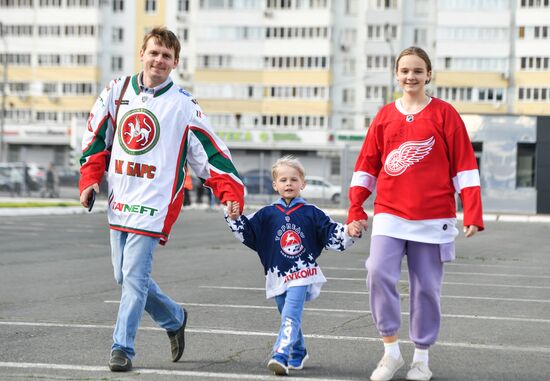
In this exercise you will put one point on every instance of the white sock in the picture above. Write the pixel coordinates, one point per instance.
(392, 349)
(420, 355)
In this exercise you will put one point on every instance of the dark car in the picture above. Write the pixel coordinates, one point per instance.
(258, 184)
(5, 183)
(68, 176)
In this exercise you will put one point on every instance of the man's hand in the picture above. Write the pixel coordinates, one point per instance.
(233, 208)
(470, 230)
(87, 194)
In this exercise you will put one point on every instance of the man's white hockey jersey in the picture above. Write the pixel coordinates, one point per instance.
(146, 153)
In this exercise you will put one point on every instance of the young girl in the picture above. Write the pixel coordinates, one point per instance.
(288, 236)
(416, 154)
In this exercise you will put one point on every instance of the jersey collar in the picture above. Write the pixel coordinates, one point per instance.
(137, 84)
(293, 203)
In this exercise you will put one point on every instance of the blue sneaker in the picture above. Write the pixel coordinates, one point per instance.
(278, 365)
(297, 361)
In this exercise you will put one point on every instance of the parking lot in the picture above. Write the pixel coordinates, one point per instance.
(58, 303)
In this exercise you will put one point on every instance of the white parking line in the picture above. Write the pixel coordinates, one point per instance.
(513, 348)
(402, 295)
(462, 273)
(449, 264)
(160, 372)
(457, 283)
(328, 310)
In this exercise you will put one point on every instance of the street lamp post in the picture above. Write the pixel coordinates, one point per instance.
(387, 38)
(4, 90)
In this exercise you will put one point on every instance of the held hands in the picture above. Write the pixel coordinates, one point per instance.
(233, 208)
(470, 230)
(86, 195)
(355, 228)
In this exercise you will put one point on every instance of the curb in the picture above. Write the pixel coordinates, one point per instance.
(101, 207)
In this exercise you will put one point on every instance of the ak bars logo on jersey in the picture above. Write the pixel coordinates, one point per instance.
(138, 131)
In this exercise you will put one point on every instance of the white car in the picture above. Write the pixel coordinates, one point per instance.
(319, 188)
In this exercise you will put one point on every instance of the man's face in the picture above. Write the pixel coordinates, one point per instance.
(158, 61)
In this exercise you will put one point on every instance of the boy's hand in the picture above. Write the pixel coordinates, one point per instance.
(355, 228)
(233, 208)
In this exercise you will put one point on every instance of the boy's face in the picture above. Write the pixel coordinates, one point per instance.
(288, 182)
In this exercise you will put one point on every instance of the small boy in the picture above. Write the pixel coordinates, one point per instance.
(288, 236)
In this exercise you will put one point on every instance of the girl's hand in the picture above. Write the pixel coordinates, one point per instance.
(233, 210)
(470, 230)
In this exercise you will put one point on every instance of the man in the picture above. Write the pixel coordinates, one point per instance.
(51, 182)
(145, 131)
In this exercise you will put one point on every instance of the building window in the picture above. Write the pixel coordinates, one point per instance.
(117, 63)
(376, 93)
(350, 7)
(386, 4)
(118, 5)
(490, 95)
(49, 88)
(335, 165)
(183, 34)
(50, 3)
(348, 96)
(420, 36)
(183, 5)
(366, 122)
(348, 66)
(118, 34)
(521, 32)
(535, 3)
(422, 7)
(478, 151)
(150, 6)
(525, 170)
(16, 59)
(82, 88)
(46, 116)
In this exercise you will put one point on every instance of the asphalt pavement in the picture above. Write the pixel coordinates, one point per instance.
(58, 303)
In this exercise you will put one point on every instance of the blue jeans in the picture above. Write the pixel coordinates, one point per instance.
(132, 257)
(290, 342)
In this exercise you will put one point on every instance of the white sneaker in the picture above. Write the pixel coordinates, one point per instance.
(386, 368)
(419, 372)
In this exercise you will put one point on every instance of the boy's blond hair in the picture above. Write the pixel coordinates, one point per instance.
(291, 161)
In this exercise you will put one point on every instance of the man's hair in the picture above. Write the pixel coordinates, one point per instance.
(291, 161)
(164, 37)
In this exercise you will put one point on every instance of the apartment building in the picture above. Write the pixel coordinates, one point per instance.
(53, 73)
(273, 76)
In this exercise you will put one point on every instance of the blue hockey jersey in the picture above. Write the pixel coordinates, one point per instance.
(288, 240)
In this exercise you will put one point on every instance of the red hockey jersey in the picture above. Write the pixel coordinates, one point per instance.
(416, 163)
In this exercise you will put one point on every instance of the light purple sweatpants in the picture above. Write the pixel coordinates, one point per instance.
(425, 278)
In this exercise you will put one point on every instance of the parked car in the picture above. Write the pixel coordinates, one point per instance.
(319, 188)
(37, 174)
(258, 182)
(68, 176)
(5, 180)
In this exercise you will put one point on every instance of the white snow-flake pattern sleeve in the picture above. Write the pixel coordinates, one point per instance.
(340, 240)
(236, 226)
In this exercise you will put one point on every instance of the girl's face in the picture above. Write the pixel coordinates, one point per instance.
(288, 183)
(412, 74)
